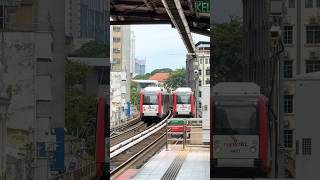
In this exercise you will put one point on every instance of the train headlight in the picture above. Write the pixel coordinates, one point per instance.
(253, 149)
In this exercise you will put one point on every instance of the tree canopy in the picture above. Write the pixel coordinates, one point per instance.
(177, 78)
(80, 109)
(92, 49)
(227, 41)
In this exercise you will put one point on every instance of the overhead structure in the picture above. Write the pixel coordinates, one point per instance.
(180, 14)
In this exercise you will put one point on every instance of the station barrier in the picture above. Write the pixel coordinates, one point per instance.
(188, 131)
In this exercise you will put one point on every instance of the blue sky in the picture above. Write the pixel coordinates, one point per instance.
(162, 46)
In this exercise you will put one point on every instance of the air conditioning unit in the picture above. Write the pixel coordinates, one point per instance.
(286, 54)
(287, 124)
(312, 20)
(313, 55)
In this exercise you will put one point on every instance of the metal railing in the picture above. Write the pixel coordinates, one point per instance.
(191, 134)
(83, 173)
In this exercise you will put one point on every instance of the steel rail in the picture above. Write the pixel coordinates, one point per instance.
(117, 149)
(124, 166)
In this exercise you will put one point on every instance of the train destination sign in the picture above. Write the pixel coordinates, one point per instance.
(202, 6)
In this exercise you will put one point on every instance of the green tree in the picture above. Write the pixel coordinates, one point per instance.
(134, 94)
(176, 79)
(142, 76)
(227, 41)
(163, 70)
(80, 109)
(75, 72)
(93, 49)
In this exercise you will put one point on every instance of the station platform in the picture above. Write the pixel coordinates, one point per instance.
(176, 163)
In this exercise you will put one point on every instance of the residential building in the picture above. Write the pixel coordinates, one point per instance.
(203, 59)
(33, 52)
(200, 62)
(160, 77)
(140, 67)
(204, 111)
(133, 54)
(85, 20)
(302, 55)
(121, 60)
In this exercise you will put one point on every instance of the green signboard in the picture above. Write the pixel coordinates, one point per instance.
(202, 6)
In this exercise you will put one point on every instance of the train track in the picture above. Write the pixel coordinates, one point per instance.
(141, 150)
(124, 135)
(125, 125)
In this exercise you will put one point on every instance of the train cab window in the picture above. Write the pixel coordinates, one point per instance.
(150, 100)
(183, 99)
(235, 120)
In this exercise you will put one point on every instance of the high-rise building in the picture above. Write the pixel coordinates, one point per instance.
(133, 54)
(121, 56)
(32, 48)
(140, 66)
(203, 59)
(85, 20)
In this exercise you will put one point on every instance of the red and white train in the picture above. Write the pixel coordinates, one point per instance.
(239, 129)
(155, 103)
(183, 102)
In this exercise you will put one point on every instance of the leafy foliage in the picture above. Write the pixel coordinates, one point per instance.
(92, 49)
(227, 40)
(164, 70)
(143, 76)
(75, 72)
(80, 109)
(177, 78)
(134, 93)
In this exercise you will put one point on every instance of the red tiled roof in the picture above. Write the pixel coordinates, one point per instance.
(160, 77)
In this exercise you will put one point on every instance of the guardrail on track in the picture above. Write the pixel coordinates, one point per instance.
(83, 173)
(127, 122)
(117, 149)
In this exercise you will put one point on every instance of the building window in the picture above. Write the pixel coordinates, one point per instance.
(292, 3)
(207, 81)
(205, 107)
(116, 28)
(200, 83)
(288, 138)
(2, 18)
(207, 61)
(116, 39)
(288, 35)
(199, 93)
(312, 66)
(116, 50)
(308, 3)
(287, 69)
(306, 146)
(318, 3)
(200, 105)
(313, 34)
(200, 72)
(208, 71)
(288, 103)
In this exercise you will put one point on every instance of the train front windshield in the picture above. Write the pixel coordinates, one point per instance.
(234, 118)
(150, 99)
(183, 99)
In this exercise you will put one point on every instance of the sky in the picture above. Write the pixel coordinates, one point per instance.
(162, 46)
